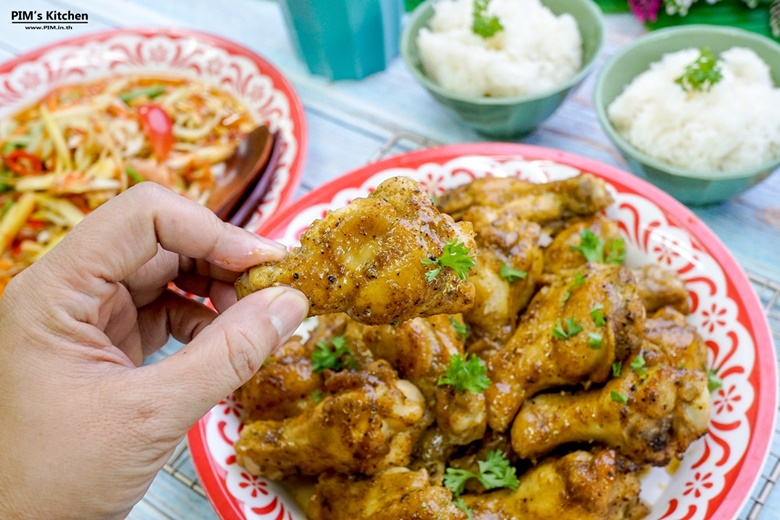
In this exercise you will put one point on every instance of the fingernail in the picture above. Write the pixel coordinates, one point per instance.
(287, 310)
(266, 250)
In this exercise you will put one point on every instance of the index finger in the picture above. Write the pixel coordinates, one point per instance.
(122, 235)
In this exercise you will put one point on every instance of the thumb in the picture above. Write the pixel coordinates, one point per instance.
(227, 352)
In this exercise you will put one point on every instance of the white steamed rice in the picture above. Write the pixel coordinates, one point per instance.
(735, 126)
(535, 52)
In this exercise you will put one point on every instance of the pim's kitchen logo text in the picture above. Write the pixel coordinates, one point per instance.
(48, 19)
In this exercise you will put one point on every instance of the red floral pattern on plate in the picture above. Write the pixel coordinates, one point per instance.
(717, 474)
(265, 92)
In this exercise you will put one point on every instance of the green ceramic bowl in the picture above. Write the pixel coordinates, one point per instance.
(509, 117)
(690, 187)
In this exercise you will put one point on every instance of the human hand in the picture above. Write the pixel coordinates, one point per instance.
(85, 428)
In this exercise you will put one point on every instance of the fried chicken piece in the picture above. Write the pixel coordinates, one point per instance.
(506, 245)
(392, 495)
(369, 422)
(670, 340)
(577, 486)
(366, 259)
(581, 195)
(660, 287)
(478, 452)
(538, 357)
(431, 453)
(650, 418)
(283, 386)
(420, 349)
(560, 255)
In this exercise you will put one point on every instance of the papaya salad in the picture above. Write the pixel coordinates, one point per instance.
(83, 144)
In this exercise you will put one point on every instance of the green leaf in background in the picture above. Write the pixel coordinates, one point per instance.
(733, 13)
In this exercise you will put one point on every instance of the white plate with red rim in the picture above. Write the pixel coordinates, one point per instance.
(172, 52)
(719, 471)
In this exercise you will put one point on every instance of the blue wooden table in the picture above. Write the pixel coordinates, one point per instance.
(353, 122)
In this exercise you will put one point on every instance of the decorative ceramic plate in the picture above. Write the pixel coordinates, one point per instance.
(719, 471)
(171, 52)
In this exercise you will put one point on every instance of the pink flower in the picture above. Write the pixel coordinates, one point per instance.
(645, 10)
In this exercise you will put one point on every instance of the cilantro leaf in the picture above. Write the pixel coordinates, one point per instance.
(702, 74)
(511, 274)
(572, 328)
(597, 313)
(317, 395)
(495, 471)
(592, 248)
(461, 328)
(461, 504)
(483, 24)
(594, 340)
(337, 358)
(713, 381)
(617, 368)
(455, 479)
(579, 279)
(465, 375)
(618, 397)
(455, 256)
(638, 366)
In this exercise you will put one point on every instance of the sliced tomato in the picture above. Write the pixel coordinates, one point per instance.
(23, 163)
(158, 129)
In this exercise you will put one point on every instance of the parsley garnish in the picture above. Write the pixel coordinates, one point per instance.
(702, 74)
(494, 472)
(594, 340)
(617, 397)
(335, 359)
(461, 504)
(511, 274)
(317, 395)
(483, 24)
(713, 381)
(638, 366)
(456, 256)
(597, 313)
(617, 368)
(461, 328)
(465, 375)
(592, 248)
(572, 328)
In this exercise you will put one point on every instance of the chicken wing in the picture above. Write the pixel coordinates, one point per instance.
(509, 264)
(576, 196)
(283, 386)
(366, 259)
(577, 486)
(392, 495)
(650, 415)
(554, 344)
(368, 422)
(659, 287)
(562, 254)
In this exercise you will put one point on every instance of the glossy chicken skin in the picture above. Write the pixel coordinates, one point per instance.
(368, 422)
(577, 486)
(421, 349)
(663, 413)
(670, 340)
(504, 241)
(392, 495)
(576, 196)
(366, 259)
(283, 386)
(535, 359)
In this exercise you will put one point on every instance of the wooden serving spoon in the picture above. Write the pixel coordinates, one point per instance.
(242, 170)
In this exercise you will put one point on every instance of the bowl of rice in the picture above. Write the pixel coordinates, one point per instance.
(502, 66)
(694, 109)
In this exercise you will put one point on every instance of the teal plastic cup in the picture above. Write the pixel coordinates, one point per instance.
(344, 39)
